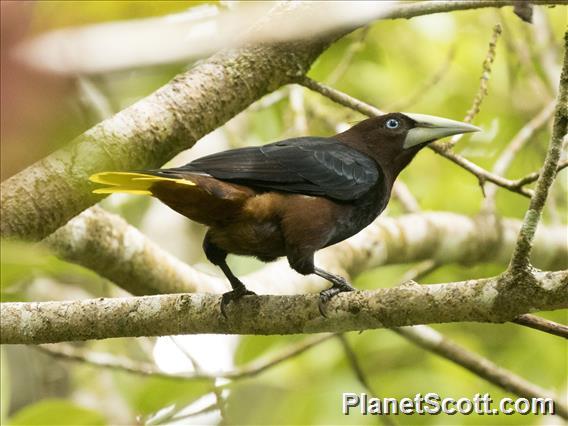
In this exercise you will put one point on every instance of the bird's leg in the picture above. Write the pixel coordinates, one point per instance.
(239, 290)
(304, 264)
(218, 256)
(340, 285)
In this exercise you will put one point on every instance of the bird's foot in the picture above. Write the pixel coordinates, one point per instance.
(340, 285)
(234, 295)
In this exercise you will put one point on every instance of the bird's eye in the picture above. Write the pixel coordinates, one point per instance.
(392, 123)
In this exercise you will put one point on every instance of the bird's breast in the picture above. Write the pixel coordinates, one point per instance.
(360, 213)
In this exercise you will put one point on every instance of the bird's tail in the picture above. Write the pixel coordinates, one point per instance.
(201, 198)
(132, 182)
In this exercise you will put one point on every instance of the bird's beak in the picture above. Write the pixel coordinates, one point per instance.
(429, 128)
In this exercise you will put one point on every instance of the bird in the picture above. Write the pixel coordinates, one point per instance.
(291, 197)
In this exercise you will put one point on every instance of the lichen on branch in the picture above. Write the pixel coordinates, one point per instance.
(483, 300)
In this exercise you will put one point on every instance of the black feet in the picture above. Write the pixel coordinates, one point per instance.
(234, 295)
(340, 285)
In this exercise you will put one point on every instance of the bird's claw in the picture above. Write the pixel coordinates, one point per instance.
(326, 295)
(232, 296)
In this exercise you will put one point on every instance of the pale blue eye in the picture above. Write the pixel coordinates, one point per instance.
(392, 123)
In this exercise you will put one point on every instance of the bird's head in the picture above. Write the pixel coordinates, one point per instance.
(393, 139)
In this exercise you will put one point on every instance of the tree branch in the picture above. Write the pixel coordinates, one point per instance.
(542, 324)
(508, 155)
(429, 339)
(433, 341)
(41, 198)
(254, 368)
(483, 89)
(495, 299)
(442, 237)
(106, 244)
(360, 374)
(521, 256)
(428, 8)
(530, 178)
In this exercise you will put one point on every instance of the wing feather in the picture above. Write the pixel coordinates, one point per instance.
(310, 165)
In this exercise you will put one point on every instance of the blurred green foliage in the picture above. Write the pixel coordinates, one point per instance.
(393, 62)
(4, 387)
(22, 262)
(147, 396)
(78, 12)
(53, 412)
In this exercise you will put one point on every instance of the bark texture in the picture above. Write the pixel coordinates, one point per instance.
(495, 299)
(41, 198)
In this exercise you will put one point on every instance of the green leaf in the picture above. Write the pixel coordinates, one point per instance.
(56, 412)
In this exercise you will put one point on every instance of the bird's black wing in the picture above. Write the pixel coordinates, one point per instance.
(309, 165)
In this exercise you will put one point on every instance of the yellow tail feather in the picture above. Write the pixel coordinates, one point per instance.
(130, 182)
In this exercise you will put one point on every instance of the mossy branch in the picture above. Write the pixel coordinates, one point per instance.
(495, 299)
(521, 256)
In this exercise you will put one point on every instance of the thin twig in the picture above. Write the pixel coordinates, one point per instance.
(360, 374)
(66, 352)
(542, 324)
(296, 102)
(404, 104)
(353, 48)
(215, 389)
(405, 197)
(539, 87)
(269, 100)
(93, 98)
(483, 81)
(340, 97)
(102, 360)
(533, 50)
(526, 132)
(532, 177)
(429, 339)
(439, 148)
(354, 363)
(516, 144)
(194, 364)
(545, 45)
(482, 175)
(207, 409)
(483, 85)
(520, 260)
(433, 341)
(419, 271)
